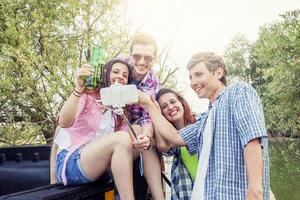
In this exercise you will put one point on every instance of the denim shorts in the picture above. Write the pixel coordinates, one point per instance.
(74, 173)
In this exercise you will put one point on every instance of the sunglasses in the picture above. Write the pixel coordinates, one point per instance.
(138, 57)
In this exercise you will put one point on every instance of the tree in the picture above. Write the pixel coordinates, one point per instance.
(271, 65)
(278, 50)
(166, 72)
(275, 60)
(41, 44)
(241, 63)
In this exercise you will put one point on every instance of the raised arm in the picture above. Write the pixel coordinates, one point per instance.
(161, 144)
(71, 106)
(162, 126)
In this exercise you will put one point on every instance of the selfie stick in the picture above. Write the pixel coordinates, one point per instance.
(120, 111)
(117, 96)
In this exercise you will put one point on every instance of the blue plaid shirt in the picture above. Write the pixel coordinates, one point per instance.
(182, 182)
(237, 118)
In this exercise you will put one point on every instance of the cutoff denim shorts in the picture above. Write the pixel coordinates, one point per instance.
(74, 173)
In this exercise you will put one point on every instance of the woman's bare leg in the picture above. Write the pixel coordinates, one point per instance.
(152, 169)
(114, 150)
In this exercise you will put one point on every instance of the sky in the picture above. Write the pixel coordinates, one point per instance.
(192, 26)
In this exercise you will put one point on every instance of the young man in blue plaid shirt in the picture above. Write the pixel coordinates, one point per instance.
(230, 137)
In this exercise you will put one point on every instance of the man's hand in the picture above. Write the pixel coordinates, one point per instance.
(142, 143)
(144, 99)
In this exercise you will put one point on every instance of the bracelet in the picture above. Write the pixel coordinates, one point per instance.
(76, 95)
(77, 92)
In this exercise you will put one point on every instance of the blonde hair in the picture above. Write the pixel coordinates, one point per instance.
(144, 39)
(211, 61)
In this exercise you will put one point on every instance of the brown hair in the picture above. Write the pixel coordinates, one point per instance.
(144, 39)
(108, 66)
(211, 61)
(188, 115)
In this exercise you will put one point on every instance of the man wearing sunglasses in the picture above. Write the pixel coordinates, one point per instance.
(143, 52)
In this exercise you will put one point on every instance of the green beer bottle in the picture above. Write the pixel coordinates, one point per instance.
(97, 61)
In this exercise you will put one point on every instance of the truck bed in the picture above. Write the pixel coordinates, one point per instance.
(100, 190)
(25, 175)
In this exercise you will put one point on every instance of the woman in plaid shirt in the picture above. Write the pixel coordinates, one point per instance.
(177, 111)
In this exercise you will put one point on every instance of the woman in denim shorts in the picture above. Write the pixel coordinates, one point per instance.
(92, 139)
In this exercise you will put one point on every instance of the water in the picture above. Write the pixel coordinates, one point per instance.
(284, 167)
